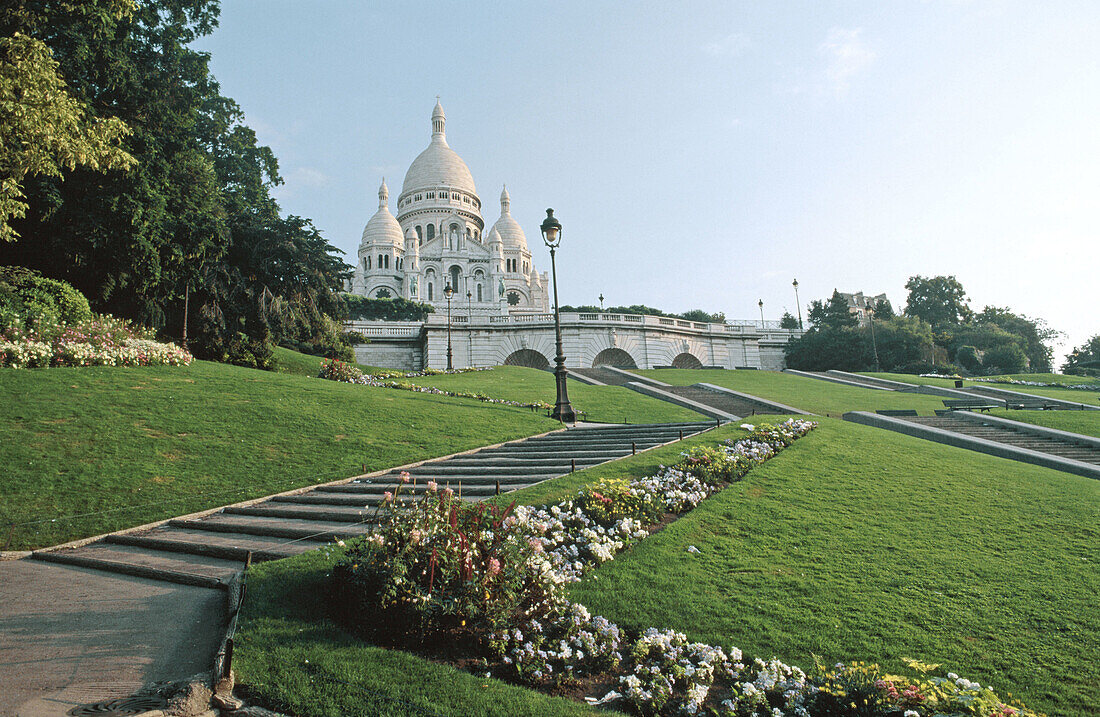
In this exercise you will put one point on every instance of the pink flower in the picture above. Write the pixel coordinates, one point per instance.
(405, 476)
(387, 497)
(535, 544)
(494, 566)
(433, 486)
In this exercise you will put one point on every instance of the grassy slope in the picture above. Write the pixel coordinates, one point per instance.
(809, 394)
(1084, 422)
(296, 660)
(609, 404)
(862, 544)
(174, 440)
(1068, 394)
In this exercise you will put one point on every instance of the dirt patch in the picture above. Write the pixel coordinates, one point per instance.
(755, 491)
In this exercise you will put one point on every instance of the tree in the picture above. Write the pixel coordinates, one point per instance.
(787, 321)
(882, 310)
(704, 316)
(939, 300)
(1084, 360)
(44, 129)
(1034, 333)
(833, 314)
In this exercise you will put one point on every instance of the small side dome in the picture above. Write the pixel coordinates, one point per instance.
(509, 229)
(382, 228)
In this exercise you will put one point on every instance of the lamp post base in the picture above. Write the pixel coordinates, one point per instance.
(563, 410)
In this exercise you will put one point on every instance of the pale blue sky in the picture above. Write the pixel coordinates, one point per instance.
(703, 154)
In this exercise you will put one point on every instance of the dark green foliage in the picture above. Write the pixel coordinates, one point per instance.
(360, 308)
(1005, 359)
(1084, 360)
(939, 300)
(32, 295)
(969, 358)
(643, 310)
(194, 222)
(883, 310)
(787, 321)
(1034, 334)
(832, 314)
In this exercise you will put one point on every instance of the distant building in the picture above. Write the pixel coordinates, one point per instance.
(861, 305)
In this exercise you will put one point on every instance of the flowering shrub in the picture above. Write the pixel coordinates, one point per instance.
(714, 466)
(672, 675)
(1019, 382)
(337, 370)
(443, 568)
(102, 340)
(612, 499)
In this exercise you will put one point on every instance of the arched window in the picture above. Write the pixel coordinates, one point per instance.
(479, 293)
(379, 261)
(431, 232)
(469, 234)
(387, 258)
(456, 274)
(430, 297)
(419, 232)
(366, 262)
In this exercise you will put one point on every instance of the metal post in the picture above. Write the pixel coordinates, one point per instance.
(563, 410)
(797, 304)
(450, 365)
(761, 305)
(874, 344)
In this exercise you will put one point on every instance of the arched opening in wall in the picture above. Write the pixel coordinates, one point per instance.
(614, 357)
(529, 358)
(686, 360)
(479, 293)
(431, 232)
(456, 274)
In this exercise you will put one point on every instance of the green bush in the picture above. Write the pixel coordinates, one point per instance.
(611, 499)
(969, 358)
(32, 295)
(363, 309)
(714, 466)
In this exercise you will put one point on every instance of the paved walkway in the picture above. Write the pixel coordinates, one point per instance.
(70, 635)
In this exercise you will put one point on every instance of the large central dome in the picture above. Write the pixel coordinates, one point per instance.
(438, 165)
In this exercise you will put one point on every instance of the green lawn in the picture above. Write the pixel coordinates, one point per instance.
(607, 404)
(809, 394)
(144, 444)
(1050, 378)
(1084, 422)
(296, 660)
(857, 543)
(1067, 394)
(300, 364)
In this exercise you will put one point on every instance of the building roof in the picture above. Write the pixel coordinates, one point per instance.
(511, 234)
(382, 228)
(438, 166)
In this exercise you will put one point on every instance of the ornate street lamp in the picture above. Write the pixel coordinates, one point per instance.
(449, 292)
(797, 303)
(761, 305)
(601, 303)
(551, 234)
(470, 321)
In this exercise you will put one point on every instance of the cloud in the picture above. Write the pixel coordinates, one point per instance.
(306, 177)
(846, 55)
(732, 45)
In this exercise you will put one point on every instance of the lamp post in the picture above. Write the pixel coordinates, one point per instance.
(469, 322)
(449, 292)
(551, 235)
(760, 303)
(601, 303)
(797, 303)
(874, 344)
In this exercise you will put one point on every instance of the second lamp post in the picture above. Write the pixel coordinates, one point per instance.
(563, 411)
(449, 292)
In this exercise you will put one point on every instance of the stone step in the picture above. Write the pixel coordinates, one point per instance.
(317, 531)
(1012, 437)
(597, 444)
(490, 471)
(606, 454)
(360, 497)
(139, 562)
(490, 461)
(332, 514)
(227, 546)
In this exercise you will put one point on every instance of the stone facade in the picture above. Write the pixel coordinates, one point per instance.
(438, 239)
(622, 340)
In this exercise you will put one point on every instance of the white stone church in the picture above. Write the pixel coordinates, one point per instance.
(500, 309)
(438, 239)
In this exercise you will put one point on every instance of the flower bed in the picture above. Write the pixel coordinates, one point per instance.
(100, 341)
(489, 584)
(1019, 382)
(336, 370)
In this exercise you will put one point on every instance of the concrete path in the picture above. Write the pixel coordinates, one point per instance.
(71, 636)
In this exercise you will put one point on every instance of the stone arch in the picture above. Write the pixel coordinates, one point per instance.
(529, 358)
(614, 357)
(686, 360)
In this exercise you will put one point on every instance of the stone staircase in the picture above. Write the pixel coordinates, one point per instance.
(1012, 437)
(734, 405)
(210, 550)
